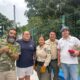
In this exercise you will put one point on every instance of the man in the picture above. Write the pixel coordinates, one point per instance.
(9, 52)
(67, 55)
(25, 61)
(52, 42)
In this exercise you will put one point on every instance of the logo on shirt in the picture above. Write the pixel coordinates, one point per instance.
(31, 45)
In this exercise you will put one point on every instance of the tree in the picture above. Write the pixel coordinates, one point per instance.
(42, 8)
(49, 13)
(47, 8)
(5, 22)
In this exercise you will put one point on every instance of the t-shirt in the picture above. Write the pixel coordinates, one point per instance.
(28, 49)
(66, 44)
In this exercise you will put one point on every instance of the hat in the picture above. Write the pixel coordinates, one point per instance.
(64, 28)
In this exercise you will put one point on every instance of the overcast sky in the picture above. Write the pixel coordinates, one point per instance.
(6, 8)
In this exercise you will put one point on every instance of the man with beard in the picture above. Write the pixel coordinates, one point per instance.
(9, 52)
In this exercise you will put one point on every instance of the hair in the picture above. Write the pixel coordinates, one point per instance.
(42, 36)
(52, 31)
(12, 29)
(9, 31)
(25, 31)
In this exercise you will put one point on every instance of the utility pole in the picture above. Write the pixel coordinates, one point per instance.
(63, 20)
(62, 15)
(14, 15)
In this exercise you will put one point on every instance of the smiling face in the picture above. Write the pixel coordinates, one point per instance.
(11, 38)
(65, 33)
(41, 41)
(26, 36)
(52, 36)
(12, 33)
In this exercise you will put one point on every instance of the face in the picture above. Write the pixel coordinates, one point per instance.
(26, 36)
(41, 41)
(52, 36)
(65, 33)
(12, 33)
(11, 36)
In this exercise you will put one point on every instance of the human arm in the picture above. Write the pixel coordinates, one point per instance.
(47, 60)
(79, 54)
(77, 47)
(4, 50)
(59, 57)
(59, 49)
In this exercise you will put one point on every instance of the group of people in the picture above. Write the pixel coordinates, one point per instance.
(45, 57)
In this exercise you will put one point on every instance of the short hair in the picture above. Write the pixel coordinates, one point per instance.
(42, 36)
(12, 29)
(26, 31)
(52, 31)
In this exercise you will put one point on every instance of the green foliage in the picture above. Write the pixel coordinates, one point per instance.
(78, 22)
(42, 8)
(45, 8)
(46, 15)
(5, 22)
(38, 26)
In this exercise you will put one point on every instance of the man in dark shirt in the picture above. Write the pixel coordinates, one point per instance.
(25, 61)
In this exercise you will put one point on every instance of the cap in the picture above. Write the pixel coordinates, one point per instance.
(64, 28)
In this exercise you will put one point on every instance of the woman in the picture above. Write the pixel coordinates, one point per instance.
(43, 58)
(25, 61)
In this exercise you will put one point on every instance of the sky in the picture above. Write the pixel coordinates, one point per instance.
(6, 8)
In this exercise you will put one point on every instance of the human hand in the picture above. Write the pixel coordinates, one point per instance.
(5, 49)
(59, 63)
(76, 53)
(34, 66)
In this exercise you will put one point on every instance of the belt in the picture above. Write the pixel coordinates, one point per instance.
(39, 63)
(54, 59)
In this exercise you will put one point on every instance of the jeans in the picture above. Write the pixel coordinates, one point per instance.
(70, 71)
